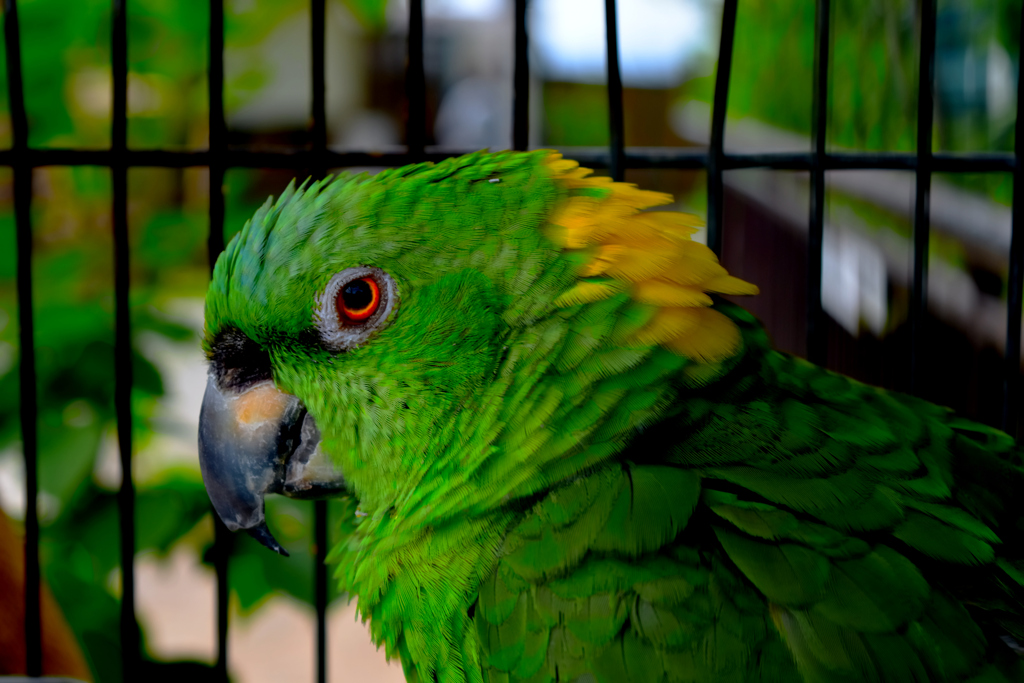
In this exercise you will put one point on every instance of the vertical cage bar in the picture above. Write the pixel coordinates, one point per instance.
(1015, 286)
(925, 111)
(218, 131)
(320, 522)
(318, 22)
(215, 76)
(616, 144)
(816, 340)
(26, 336)
(215, 245)
(222, 543)
(721, 101)
(416, 83)
(122, 338)
(521, 81)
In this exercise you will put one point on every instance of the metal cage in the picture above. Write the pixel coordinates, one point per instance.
(316, 159)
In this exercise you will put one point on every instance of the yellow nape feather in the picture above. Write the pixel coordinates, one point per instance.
(714, 337)
(667, 293)
(587, 291)
(650, 255)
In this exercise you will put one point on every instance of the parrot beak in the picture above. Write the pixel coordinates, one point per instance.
(256, 441)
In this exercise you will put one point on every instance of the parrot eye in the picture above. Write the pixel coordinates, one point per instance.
(358, 300)
(354, 304)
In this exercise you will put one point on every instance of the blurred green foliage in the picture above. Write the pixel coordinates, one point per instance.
(575, 114)
(66, 65)
(873, 68)
(873, 75)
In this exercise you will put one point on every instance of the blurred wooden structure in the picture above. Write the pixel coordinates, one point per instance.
(61, 654)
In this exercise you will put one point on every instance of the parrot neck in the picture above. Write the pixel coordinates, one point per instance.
(562, 412)
(418, 587)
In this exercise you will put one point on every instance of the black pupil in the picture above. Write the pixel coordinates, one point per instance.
(357, 295)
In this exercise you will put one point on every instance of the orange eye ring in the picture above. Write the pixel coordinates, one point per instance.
(358, 300)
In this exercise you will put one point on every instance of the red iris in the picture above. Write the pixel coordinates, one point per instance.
(358, 300)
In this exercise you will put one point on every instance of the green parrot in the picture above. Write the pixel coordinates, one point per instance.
(564, 459)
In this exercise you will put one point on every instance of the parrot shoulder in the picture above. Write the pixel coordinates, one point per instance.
(868, 520)
(608, 576)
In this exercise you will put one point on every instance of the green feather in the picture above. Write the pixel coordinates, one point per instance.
(786, 573)
(879, 592)
(653, 505)
(628, 659)
(941, 541)
(596, 619)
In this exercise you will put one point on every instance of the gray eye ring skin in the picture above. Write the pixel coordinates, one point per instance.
(337, 334)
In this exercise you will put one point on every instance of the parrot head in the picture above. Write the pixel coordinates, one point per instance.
(368, 335)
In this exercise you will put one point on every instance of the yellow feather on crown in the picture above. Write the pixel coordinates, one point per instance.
(649, 255)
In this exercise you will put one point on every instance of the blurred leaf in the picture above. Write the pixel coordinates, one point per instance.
(66, 458)
(576, 114)
(247, 576)
(93, 615)
(170, 238)
(145, 377)
(8, 244)
(165, 513)
(372, 14)
(146, 318)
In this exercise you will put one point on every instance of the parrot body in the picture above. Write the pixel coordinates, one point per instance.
(563, 459)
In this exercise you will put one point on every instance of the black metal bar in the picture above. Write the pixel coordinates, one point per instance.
(15, 85)
(416, 84)
(616, 121)
(318, 106)
(521, 81)
(320, 522)
(1015, 284)
(940, 163)
(223, 541)
(27, 397)
(925, 115)
(26, 336)
(122, 339)
(318, 22)
(715, 153)
(655, 157)
(119, 68)
(816, 340)
(216, 159)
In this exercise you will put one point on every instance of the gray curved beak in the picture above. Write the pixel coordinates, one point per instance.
(256, 441)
